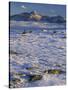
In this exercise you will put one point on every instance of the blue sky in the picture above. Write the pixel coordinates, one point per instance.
(43, 9)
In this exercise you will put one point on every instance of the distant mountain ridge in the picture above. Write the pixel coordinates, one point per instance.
(34, 16)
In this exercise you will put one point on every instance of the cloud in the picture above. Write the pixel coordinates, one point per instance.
(23, 7)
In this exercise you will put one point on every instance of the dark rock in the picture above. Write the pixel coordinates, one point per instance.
(16, 80)
(14, 52)
(54, 31)
(29, 68)
(24, 32)
(29, 77)
(54, 71)
(35, 77)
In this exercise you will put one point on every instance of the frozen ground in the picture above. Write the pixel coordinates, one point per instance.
(38, 58)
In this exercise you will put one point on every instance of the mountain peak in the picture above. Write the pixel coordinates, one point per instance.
(34, 16)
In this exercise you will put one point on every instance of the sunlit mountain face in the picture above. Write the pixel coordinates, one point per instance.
(37, 38)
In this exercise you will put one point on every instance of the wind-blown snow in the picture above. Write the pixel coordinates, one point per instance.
(40, 51)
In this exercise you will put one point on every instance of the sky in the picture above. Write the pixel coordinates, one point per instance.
(43, 9)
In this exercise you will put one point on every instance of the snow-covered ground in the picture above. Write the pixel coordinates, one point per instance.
(33, 53)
